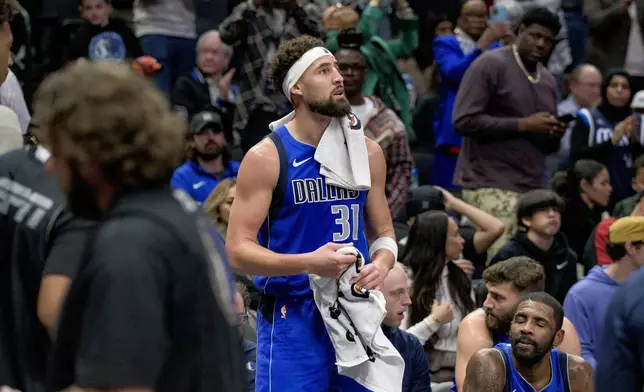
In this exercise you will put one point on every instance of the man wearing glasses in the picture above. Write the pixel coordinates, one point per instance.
(242, 301)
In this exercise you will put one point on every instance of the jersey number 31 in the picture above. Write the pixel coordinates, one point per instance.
(348, 221)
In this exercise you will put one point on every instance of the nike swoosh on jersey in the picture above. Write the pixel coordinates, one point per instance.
(198, 185)
(296, 163)
(562, 265)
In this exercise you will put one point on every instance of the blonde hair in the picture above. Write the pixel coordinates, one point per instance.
(105, 114)
(215, 200)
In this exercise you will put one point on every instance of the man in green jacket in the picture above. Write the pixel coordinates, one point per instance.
(384, 78)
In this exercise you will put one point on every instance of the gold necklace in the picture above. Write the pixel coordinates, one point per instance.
(531, 78)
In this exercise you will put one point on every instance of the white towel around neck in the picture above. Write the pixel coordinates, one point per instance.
(343, 165)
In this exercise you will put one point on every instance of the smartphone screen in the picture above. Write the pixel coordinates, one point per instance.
(498, 14)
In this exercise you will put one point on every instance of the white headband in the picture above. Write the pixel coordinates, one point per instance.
(297, 70)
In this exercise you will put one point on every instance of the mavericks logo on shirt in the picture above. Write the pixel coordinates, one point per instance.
(106, 46)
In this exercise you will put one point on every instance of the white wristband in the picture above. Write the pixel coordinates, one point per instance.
(384, 243)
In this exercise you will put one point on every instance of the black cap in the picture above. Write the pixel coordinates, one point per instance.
(203, 120)
(422, 199)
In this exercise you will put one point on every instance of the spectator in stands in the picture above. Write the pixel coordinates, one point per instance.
(505, 107)
(477, 239)
(396, 291)
(384, 78)
(621, 347)
(607, 134)
(539, 238)
(102, 37)
(217, 205)
(380, 124)
(586, 190)
(441, 290)
(586, 302)
(626, 206)
(615, 37)
(209, 158)
(255, 29)
(585, 93)
(210, 85)
(11, 96)
(166, 30)
(242, 302)
(453, 54)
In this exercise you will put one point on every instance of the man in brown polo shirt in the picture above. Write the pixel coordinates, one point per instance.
(505, 108)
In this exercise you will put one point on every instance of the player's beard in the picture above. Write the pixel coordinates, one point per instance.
(496, 323)
(331, 107)
(529, 358)
(82, 198)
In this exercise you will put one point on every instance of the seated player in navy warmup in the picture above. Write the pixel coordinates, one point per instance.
(530, 362)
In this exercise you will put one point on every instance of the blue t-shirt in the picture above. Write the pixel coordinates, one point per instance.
(514, 381)
(312, 213)
(197, 182)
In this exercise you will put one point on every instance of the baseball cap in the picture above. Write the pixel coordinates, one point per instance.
(628, 229)
(638, 100)
(422, 199)
(204, 120)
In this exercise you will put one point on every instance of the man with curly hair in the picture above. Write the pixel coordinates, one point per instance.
(151, 306)
(288, 221)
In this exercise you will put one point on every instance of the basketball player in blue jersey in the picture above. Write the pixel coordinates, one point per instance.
(506, 281)
(530, 362)
(287, 222)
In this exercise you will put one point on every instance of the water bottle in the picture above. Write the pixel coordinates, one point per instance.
(415, 183)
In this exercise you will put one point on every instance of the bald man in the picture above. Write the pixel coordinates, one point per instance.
(396, 292)
(585, 92)
(209, 85)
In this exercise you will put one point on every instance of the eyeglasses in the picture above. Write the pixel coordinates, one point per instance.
(242, 318)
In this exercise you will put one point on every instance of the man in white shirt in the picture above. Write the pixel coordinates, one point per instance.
(11, 96)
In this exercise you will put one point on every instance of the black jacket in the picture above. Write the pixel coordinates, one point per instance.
(116, 41)
(559, 262)
(38, 236)
(191, 95)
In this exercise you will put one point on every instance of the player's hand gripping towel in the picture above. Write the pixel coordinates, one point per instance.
(352, 316)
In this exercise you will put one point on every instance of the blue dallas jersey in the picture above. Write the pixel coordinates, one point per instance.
(514, 381)
(311, 214)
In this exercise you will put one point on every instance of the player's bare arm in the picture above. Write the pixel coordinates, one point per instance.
(485, 372)
(570, 343)
(472, 336)
(256, 181)
(378, 219)
(581, 375)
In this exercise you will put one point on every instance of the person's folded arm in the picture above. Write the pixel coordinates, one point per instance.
(470, 116)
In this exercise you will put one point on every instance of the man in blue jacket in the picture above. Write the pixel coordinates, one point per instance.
(209, 160)
(587, 301)
(396, 291)
(620, 354)
(453, 54)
